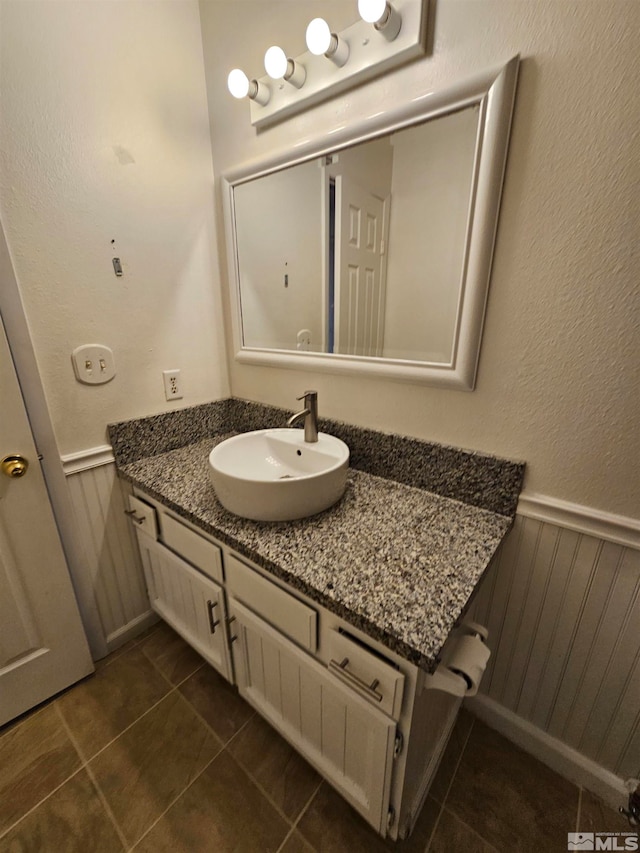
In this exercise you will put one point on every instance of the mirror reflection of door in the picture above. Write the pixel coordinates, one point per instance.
(360, 269)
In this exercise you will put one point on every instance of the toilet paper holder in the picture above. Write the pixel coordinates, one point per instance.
(464, 660)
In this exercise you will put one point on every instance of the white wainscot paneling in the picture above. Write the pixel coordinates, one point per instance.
(112, 557)
(563, 612)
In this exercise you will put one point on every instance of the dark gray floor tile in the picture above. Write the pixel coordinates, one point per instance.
(175, 659)
(153, 762)
(35, 757)
(71, 820)
(100, 708)
(222, 811)
(276, 766)
(509, 798)
(217, 702)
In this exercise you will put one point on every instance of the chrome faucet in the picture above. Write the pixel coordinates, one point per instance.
(309, 414)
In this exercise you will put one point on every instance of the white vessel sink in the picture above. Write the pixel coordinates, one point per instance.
(274, 475)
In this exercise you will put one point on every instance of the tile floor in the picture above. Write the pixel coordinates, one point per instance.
(156, 752)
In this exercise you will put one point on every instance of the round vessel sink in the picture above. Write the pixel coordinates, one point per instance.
(274, 475)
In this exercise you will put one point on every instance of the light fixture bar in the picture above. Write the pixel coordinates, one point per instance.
(369, 56)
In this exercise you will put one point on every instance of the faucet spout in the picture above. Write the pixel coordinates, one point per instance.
(299, 416)
(309, 414)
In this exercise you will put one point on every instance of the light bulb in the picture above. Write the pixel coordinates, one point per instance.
(238, 83)
(318, 36)
(386, 20)
(241, 87)
(320, 40)
(371, 10)
(275, 62)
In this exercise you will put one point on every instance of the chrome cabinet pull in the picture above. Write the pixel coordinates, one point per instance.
(340, 669)
(231, 619)
(212, 621)
(132, 515)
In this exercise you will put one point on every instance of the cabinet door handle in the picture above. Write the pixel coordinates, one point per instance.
(212, 621)
(132, 515)
(340, 669)
(231, 619)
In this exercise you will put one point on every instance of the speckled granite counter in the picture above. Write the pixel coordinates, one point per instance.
(397, 561)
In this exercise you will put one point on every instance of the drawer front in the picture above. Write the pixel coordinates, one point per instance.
(143, 517)
(277, 607)
(365, 672)
(195, 548)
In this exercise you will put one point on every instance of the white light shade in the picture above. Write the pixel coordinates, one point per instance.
(318, 36)
(371, 10)
(275, 62)
(238, 83)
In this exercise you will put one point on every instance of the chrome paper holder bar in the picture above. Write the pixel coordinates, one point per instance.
(369, 690)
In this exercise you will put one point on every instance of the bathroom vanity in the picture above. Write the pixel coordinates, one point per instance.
(338, 629)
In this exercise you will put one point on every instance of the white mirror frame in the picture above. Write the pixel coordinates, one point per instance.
(493, 92)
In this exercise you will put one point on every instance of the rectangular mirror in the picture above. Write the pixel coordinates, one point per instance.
(372, 253)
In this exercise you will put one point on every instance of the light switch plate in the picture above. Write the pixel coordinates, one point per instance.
(93, 364)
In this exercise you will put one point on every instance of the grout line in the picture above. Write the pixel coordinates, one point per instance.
(40, 802)
(579, 809)
(449, 786)
(94, 781)
(458, 762)
(107, 808)
(303, 810)
(435, 827)
(137, 720)
(175, 800)
(470, 828)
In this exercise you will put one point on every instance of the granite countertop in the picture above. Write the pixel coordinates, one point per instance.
(398, 561)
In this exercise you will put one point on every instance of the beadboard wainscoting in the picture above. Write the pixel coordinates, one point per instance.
(561, 602)
(563, 612)
(112, 559)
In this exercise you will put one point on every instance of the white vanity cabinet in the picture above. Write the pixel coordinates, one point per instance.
(364, 717)
(190, 600)
(347, 740)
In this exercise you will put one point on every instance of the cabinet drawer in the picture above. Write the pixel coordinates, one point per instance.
(143, 516)
(274, 605)
(365, 672)
(197, 550)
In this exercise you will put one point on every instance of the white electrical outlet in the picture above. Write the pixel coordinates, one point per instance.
(172, 384)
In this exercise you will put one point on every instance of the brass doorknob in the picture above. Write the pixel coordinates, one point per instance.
(14, 466)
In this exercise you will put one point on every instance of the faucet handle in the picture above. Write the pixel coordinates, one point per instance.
(307, 394)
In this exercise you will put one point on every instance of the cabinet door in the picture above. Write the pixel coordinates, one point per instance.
(190, 602)
(347, 740)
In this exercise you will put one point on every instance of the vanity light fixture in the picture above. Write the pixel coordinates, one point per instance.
(278, 66)
(355, 53)
(241, 87)
(321, 41)
(382, 15)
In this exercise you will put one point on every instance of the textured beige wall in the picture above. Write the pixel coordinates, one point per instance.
(104, 136)
(559, 367)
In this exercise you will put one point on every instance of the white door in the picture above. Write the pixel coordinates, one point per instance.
(360, 265)
(43, 648)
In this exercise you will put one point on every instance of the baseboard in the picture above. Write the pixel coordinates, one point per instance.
(551, 751)
(131, 630)
(593, 522)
